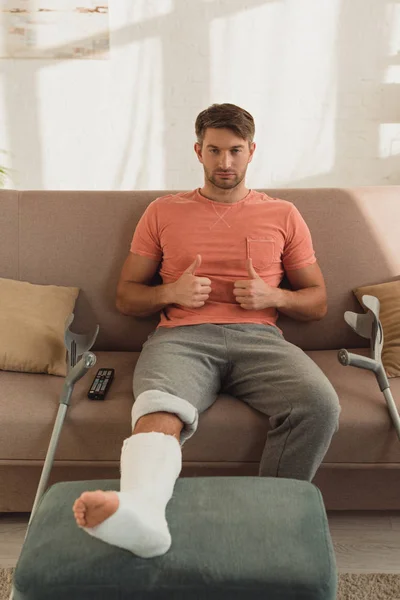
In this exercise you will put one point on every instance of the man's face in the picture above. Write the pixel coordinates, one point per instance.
(224, 157)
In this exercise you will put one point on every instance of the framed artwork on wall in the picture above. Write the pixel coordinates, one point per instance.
(54, 29)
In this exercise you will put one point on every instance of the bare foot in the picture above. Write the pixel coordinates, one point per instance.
(92, 508)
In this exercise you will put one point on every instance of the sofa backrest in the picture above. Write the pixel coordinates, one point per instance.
(81, 239)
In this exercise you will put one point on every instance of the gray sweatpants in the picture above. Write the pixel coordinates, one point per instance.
(181, 370)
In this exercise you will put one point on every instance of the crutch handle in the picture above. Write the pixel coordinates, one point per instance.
(363, 362)
(356, 360)
(87, 361)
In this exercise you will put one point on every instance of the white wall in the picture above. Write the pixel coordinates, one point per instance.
(321, 78)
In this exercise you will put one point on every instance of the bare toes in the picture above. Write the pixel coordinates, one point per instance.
(79, 510)
(79, 504)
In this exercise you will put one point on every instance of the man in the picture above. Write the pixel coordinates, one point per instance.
(222, 251)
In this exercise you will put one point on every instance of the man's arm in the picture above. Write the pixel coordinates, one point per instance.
(135, 297)
(308, 301)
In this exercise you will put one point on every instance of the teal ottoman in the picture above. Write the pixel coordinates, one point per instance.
(232, 538)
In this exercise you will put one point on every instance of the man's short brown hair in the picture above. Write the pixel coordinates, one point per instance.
(227, 116)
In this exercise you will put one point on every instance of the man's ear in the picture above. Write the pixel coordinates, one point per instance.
(252, 150)
(198, 150)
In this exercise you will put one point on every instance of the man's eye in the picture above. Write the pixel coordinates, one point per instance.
(234, 150)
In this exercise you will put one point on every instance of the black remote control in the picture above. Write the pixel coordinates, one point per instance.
(101, 384)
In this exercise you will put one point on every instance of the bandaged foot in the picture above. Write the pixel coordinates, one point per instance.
(125, 521)
(134, 518)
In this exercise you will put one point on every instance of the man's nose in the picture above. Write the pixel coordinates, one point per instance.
(225, 161)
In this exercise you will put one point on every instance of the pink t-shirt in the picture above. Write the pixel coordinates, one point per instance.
(177, 227)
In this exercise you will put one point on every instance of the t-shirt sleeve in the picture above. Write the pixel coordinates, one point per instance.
(146, 239)
(298, 251)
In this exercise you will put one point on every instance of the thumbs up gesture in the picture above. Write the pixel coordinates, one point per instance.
(254, 293)
(189, 290)
(195, 265)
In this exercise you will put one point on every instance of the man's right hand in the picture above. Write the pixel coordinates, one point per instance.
(189, 290)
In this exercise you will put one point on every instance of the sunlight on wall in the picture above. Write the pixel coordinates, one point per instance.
(73, 122)
(5, 158)
(389, 139)
(389, 133)
(105, 130)
(393, 28)
(141, 10)
(392, 72)
(4, 138)
(136, 148)
(286, 77)
(137, 156)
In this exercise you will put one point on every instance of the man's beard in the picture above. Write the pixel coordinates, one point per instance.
(224, 184)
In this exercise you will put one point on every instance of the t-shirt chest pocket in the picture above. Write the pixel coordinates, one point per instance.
(261, 251)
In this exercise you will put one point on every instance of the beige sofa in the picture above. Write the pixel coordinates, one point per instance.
(82, 238)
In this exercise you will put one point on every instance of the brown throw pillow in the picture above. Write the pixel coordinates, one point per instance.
(32, 326)
(388, 295)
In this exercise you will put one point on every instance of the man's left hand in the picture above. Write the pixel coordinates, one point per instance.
(255, 293)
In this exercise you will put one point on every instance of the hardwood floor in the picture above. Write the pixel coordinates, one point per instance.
(364, 541)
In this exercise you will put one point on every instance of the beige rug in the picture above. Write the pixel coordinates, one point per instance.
(373, 586)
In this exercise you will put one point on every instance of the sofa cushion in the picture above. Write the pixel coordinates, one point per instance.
(32, 326)
(229, 431)
(388, 295)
